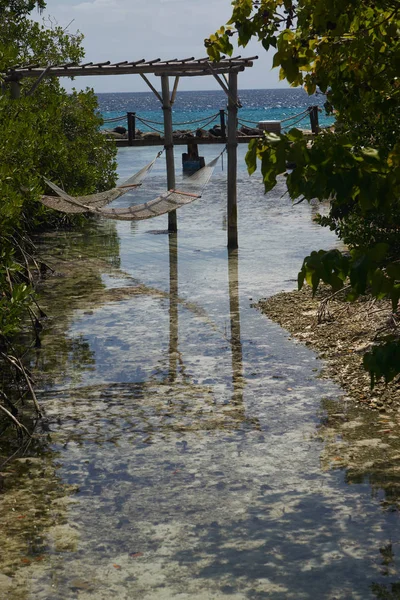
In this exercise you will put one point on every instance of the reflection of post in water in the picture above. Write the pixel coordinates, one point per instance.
(173, 305)
(234, 309)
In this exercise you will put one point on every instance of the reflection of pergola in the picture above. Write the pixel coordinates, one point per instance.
(224, 71)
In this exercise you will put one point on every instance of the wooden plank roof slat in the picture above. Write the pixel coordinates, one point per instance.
(186, 67)
(101, 64)
(201, 73)
(137, 62)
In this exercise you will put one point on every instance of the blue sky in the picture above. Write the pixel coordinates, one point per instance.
(118, 30)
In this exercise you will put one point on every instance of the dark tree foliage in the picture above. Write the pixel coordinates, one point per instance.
(350, 51)
(46, 132)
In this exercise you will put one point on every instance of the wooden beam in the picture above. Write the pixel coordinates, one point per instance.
(174, 91)
(156, 67)
(177, 72)
(38, 80)
(15, 90)
(173, 306)
(232, 162)
(236, 344)
(151, 86)
(224, 86)
(169, 147)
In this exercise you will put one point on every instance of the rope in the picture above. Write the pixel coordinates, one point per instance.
(282, 120)
(114, 119)
(148, 121)
(183, 123)
(205, 124)
(207, 119)
(244, 121)
(149, 126)
(248, 121)
(199, 120)
(294, 116)
(295, 123)
(162, 133)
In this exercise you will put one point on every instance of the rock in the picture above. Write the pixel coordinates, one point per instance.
(250, 130)
(151, 135)
(202, 133)
(81, 584)
(6, 584)
(216, 131)
(113, 134)
(119, 129)
(182, 133)
(64, 538)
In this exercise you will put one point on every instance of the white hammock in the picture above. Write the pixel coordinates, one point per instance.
(82, 204)
(163, 204)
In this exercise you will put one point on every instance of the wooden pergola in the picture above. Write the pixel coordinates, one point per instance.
(225, 71)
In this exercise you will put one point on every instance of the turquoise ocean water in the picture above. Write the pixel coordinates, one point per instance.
(195, 109)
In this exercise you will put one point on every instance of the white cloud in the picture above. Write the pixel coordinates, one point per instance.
(118, 30)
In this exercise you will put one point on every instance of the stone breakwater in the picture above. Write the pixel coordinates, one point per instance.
(121, 133)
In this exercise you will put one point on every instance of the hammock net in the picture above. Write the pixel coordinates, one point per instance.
(164, 203)
(82, 204)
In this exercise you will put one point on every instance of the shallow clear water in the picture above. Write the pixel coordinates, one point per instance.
(200, 443)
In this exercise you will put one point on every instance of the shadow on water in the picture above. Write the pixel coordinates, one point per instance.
(186, 452)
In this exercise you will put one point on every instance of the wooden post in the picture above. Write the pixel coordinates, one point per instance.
(15, 90)
(236, 344)
(314, 119)
(222, 122)
(169, 147)
(173, 306)
(232, 162)
(131, 116)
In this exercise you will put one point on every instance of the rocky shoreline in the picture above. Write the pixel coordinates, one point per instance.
(121, 133)
(345, 332)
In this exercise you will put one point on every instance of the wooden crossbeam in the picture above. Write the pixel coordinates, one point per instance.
(151, 86)
(137, 62)
(198, 73)
(175, 89)
(187, 67)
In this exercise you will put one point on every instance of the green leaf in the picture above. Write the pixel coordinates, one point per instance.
(393, 270)
(370, 152)
(383, 362)
(251, 157)
(379, 251)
